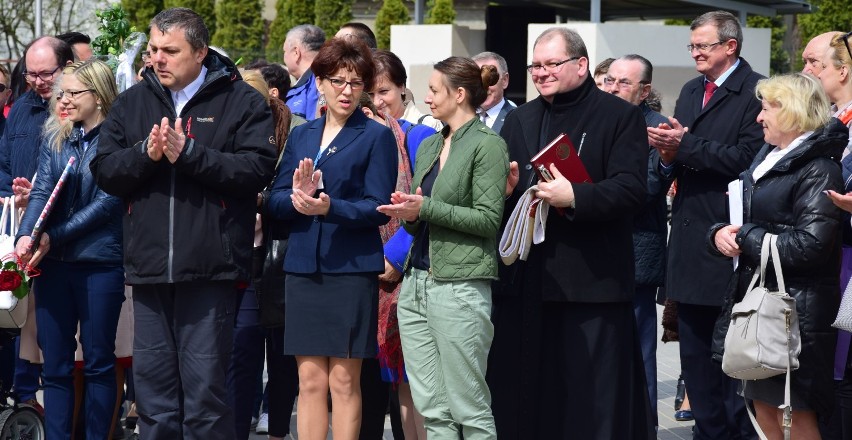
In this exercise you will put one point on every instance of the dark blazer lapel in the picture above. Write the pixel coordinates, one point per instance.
(501, 116)
(733, 84)
(355, 125)
(313, 137)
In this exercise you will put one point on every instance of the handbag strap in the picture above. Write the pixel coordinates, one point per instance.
(786, 408)
(764, 259)
(9, 215)
(776, 262)
(4, 216)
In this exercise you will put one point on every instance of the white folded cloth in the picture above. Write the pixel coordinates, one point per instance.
(525, 227)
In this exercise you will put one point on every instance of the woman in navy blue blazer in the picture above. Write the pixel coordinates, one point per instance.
(334, 172)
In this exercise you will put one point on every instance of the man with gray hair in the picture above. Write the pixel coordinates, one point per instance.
(493, 111)
(712, 138)
(188, 148)
(563, 319)
(300, 48)
(629, 78)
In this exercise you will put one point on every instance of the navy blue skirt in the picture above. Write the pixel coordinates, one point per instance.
(334, 315)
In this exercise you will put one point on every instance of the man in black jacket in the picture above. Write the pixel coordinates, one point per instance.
(629, 78)
(565, 362)
(188, 149)
(720, 110)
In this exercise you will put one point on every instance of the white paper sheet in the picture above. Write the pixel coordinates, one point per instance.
(735, 206)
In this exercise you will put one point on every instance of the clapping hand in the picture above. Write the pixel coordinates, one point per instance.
(21, 188)
(404, 206)
(165, 140)
(305, 178)
(666, 139)
(513, 178)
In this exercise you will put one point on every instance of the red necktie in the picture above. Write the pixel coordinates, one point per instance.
(709, 88)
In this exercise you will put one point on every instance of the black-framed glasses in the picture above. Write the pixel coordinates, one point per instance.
(846, 42)
(340, 84)
(623, 83)
(552, 67)
(702, 47)
(72, 94)
(44, 76)
(3, 88)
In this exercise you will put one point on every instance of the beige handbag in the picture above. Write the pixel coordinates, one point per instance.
(763, 339)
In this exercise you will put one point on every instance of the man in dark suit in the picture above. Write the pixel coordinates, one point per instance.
(629, 78)
(495, 108)
(711, 139)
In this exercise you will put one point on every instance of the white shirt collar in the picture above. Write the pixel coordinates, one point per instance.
(181, 97)
(721, 79)
(493, 112)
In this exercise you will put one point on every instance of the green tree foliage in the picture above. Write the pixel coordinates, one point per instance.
(140, 12)
(440, 12)
(392, 12)
(239, 28)
(332, 14)
(205, 8)
(829, 15)
(779, 59)
(288, 13)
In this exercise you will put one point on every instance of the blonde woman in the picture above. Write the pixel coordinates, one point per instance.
(836, 79)
(79, 254)
(783, 195)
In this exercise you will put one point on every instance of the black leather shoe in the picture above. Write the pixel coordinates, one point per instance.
(684, 415)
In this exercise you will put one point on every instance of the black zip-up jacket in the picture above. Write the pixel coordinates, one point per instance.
(788, 201)
(192, 220)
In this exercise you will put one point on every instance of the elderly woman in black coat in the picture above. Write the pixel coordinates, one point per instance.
(784, 195)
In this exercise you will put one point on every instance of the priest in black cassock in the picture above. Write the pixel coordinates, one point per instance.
(565, 362)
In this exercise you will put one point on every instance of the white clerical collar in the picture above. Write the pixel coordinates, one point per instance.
(181, 97)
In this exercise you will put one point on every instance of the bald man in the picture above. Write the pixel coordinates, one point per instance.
(814, 52)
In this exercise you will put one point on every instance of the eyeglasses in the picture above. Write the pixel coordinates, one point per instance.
(702, 47)
(3, 88)
(72, 94)
(622, 83)
(846, 42)
(44, 76)
(553, 67)
(340, 84)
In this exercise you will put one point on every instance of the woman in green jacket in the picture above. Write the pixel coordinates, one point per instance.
(454, 214)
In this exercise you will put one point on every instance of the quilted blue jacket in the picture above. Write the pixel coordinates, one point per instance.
(85, 224)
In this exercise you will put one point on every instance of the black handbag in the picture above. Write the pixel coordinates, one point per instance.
(268, 274)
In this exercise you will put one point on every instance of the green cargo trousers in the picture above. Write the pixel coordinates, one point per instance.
(446, 333)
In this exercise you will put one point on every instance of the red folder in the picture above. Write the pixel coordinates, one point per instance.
(562, 153)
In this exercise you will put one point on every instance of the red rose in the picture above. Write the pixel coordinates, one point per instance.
(9, 280)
